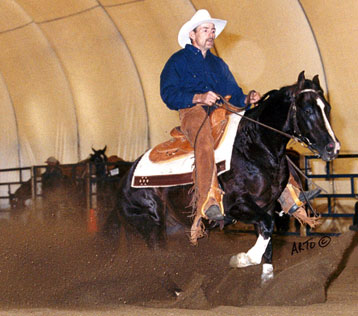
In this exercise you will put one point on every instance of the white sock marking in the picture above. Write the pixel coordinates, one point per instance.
(252, 257)
(267, 272)
(256, 252)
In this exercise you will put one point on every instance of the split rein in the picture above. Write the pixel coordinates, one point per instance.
(298, 139)
(228, 106)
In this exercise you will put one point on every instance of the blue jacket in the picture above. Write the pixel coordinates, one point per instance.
(187, 73)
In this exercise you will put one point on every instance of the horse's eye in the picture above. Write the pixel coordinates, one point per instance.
(308, 111)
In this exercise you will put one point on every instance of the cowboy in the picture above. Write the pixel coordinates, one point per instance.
(51, 178)
(191, 82)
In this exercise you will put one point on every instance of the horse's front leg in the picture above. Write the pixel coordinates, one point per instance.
(251, 257)
(267, 268)
(261, 249)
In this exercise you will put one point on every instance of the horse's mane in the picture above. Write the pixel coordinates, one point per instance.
(248, 129)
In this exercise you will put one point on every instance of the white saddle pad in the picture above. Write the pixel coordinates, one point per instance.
(178, 171)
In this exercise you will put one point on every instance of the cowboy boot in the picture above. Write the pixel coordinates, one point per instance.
(292, 205)
(212, 208)
(303, 196)
(292, 201)
(289, 199)
(309, 195)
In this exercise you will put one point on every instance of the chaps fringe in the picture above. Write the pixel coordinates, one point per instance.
(197, 230)
(301, 216)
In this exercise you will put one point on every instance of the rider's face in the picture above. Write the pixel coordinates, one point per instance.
(203, 36)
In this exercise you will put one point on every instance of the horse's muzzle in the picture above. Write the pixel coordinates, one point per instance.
(331, 151)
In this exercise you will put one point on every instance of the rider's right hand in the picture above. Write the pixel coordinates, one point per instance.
(208, 98)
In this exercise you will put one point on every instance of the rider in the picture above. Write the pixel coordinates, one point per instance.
(53, 174)
(191, 82)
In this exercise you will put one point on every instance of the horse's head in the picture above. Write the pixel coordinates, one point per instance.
(99, 159)
(310, 117)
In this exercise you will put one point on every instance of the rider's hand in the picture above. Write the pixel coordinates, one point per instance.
(253, 97)
(208, 98)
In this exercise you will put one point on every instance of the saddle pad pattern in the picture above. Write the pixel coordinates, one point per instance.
(179, 171)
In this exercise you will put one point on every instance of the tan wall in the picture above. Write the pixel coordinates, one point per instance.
(335, 24)
(76, 74)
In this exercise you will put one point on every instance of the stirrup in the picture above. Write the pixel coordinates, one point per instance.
(213, 213)
(309, 195)
(211, 209)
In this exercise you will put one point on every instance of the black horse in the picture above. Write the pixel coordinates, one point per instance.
(22, 194)
(76, 176)
(259, 171)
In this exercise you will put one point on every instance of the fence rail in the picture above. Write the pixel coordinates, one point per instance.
(332, 175)
(328, 176)
(19, 172)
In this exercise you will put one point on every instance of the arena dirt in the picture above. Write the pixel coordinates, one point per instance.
(62, 266)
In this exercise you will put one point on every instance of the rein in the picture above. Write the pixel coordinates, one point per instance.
(228, 104)
(299, 139)
(309, 180)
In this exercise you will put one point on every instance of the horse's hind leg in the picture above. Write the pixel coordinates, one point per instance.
(112, 225)
(144, 215)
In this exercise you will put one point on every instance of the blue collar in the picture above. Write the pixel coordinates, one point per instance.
(196, 50)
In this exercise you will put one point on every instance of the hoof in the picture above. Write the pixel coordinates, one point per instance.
(241, 260)
(234, 263)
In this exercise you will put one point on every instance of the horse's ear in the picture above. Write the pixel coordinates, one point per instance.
(316, 80)
(301, 80)
(104, 149)
(93, 150)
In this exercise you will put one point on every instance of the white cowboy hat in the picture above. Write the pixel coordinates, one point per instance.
(200, 17)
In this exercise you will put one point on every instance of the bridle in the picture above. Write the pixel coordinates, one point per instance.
(296, 131)
(297, 136)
